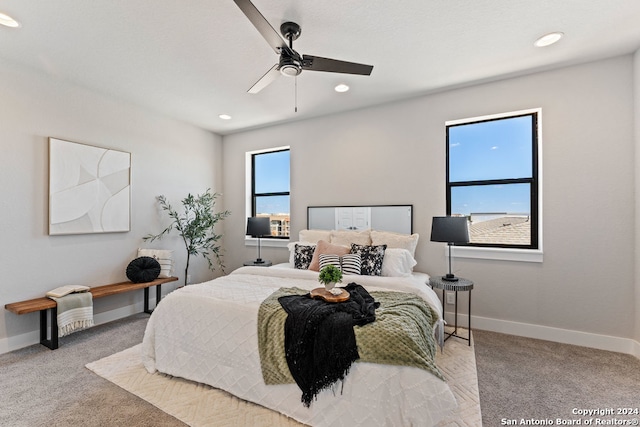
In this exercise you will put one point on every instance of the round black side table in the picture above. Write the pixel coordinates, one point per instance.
(461, 285)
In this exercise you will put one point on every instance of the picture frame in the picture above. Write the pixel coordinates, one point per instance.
(89, 189)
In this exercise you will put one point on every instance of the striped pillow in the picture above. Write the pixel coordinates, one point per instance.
(164, 257)
(327, 259)
(348, 264)
(351, 263)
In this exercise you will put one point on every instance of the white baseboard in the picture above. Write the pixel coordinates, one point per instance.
(565, 336)
(636, 349)
(17, 342)
(119, 313)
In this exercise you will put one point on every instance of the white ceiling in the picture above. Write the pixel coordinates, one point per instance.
(193, 60)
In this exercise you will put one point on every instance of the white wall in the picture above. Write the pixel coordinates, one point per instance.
(395, 153)
(168, 157)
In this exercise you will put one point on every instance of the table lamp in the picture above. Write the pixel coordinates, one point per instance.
(258, 227)
(450, 229)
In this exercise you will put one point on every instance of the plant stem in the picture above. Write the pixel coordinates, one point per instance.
(186, 269)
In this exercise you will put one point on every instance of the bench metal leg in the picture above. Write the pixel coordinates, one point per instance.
(146, 298)
(53, 314)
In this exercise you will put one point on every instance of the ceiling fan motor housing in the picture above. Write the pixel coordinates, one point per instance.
(289, 66)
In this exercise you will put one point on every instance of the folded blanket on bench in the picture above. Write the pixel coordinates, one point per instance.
(75, 312)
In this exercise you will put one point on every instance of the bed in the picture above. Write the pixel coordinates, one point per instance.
(208, 333)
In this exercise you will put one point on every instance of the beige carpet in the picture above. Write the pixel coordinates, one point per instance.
(199, 405)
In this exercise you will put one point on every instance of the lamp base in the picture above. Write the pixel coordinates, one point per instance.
(261, 261)
(450, 278)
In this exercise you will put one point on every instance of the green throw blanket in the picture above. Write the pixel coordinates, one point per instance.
(401, 335)
(75, 312)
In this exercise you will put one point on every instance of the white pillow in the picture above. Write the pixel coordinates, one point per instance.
(347, 237)
(395, 240)
(397, 262)
(164, 257)
(312, 236)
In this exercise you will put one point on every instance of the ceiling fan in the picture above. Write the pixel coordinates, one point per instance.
(291, 63)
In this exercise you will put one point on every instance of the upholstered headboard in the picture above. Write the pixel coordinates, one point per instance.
(395, 218)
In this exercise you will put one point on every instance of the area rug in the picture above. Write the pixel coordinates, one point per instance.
(199, 405)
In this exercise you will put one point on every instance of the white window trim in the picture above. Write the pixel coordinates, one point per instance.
(266, 242)
(248, 240)
(508, 254)
(502, 254)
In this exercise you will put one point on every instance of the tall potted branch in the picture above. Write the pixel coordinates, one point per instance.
(196, 227)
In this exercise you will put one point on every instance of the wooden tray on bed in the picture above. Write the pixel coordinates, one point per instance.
(324, 294)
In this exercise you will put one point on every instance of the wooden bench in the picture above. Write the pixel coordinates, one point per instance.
(47, 304)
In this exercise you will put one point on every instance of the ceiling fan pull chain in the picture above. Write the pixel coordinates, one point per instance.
(296, 94)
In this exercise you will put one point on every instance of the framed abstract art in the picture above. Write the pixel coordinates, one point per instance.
(89, 189)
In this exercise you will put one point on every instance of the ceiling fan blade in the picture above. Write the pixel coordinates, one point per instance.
(317, 63)
(262, 25)
(265, 80)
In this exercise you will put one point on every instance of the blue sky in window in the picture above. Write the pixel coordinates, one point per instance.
(272, 205)
(512, 199)
(272, 175)
(498, 149)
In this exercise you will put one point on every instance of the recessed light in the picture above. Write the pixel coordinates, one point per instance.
(548, 39)
(8, 21)
(225, 116)
(341, 88)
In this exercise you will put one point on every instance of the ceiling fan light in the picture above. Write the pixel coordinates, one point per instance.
(290, 70)
(8, 21)
(289, 66)
(225, 116)
(341, 88)
(549, 39)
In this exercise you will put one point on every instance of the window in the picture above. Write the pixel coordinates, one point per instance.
(492, 178)
(270, 184)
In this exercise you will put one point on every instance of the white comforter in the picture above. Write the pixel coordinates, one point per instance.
(208, 333)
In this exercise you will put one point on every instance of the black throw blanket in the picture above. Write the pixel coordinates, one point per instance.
(319, 341)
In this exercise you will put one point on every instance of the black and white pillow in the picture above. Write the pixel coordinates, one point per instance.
(371, 258)
(302, 256)
(348, 264)
(329, 259)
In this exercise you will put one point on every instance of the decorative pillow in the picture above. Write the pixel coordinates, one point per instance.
(397, 263)
(395, 240)
(143, 269)
(348, 264)
(329, 259)
(164, 257)
(324, 247)
(302, 256)
(292, 249)
(351, 264)
(347, 237)
(312, 236)
(371, 258)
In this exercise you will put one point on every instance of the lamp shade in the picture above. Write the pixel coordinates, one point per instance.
(258, 226)
(450, 229)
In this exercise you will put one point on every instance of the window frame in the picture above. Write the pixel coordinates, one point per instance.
(252, 195)
(533, 251)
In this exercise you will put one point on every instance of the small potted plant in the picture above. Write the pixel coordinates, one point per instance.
(329, 276)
